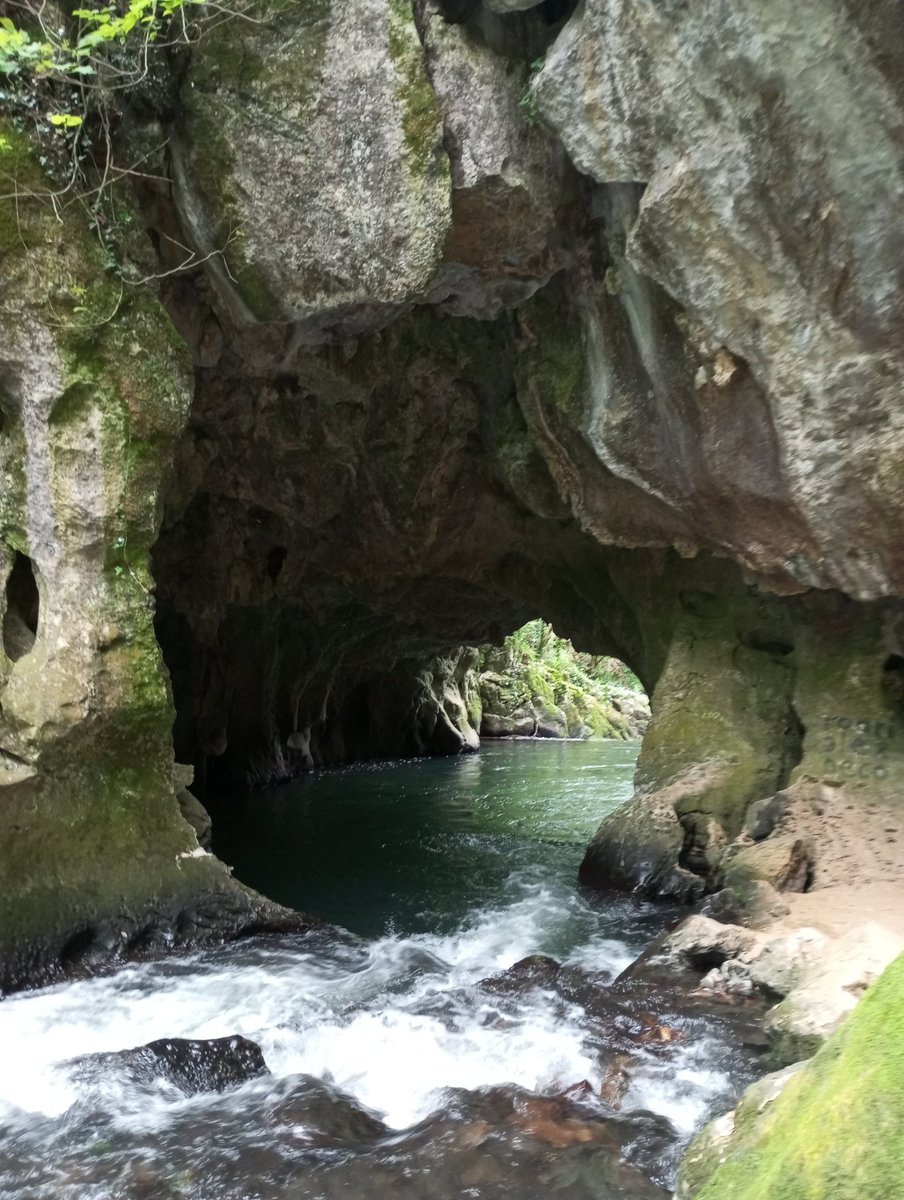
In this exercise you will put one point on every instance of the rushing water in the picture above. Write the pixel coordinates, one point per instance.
(405, 1059)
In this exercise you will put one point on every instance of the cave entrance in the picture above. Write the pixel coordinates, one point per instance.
(536, 684)
(20, 621)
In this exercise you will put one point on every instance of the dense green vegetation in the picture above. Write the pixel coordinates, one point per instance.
(537, 677)
(538, 643)
(88, 49)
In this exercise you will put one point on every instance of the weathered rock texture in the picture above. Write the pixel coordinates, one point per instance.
(619, 347)
(95, 387)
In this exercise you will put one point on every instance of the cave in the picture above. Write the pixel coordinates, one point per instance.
(439, 351)
(339, 339)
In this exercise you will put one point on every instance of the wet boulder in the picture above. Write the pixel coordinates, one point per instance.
(537, 970)
(693, 947)
(637, 848)
(193, 1065)
(322, 1115)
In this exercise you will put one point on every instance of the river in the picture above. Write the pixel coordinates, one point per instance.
(405, 1058)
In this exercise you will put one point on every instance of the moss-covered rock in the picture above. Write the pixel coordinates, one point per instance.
(835, 1130)
(96, 858)
(309, 163)
(537, 685)
(723, 732)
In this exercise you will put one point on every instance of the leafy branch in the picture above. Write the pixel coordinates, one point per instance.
(82, 51)
(66, 83)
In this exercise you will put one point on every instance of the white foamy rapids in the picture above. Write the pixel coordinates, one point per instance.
(682, 1089)
(398, 1063)
(383, 1023)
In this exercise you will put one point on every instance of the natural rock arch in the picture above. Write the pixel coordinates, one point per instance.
(487, 348)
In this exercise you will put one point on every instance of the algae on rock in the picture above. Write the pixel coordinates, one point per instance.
(834, 1131)
(95, 390)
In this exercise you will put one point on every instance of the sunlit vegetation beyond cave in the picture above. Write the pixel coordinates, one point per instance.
(537, 674)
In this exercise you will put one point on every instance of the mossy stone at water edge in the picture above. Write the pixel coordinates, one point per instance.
(836, 1132)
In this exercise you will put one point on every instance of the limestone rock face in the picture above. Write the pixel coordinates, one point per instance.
(309, 162)
(510, 179)
(95, 386)
(783, 862)
(764, 140)
(828, 986)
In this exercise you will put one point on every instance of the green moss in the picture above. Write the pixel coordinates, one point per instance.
(718, 700)
(422, 116)
(19, 175)
(837, 1130)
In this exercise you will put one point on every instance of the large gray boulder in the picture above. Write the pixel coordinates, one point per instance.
(309, 164)
(765, 136)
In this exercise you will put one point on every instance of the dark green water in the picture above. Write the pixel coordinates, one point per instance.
(412, 847)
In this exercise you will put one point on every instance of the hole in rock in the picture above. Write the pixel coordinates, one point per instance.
(20, 621)
(6, 409)
(554, 11)
(520, 33)
(766, 642)
(456, 12)
(359, 846)
(275, 559)
(893, 680)
(793, 749)
(706, 605)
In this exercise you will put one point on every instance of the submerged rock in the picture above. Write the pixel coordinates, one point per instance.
(190, 1064)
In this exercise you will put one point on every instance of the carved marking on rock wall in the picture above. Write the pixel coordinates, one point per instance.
(854, 748)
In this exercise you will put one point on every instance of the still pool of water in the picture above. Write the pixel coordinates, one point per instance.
(405, 1059)
(415, 847)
